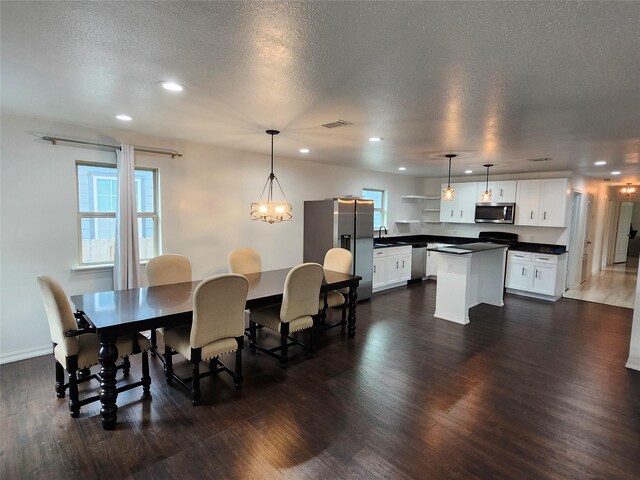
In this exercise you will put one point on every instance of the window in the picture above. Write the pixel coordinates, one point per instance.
(379, 198)
(97, 201)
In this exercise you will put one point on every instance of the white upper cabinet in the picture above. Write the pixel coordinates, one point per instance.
(553, 202)
(502, 191)
(528, 202)
(542, 202)
(462, 209)
(505, 191)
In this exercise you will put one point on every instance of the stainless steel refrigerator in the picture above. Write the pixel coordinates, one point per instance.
(345, 223)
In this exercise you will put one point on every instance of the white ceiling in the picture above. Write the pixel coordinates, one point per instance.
(502, 82)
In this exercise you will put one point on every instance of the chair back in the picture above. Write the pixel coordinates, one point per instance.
(59, 315)
(166, 269)
(218, 309)
(338, 260)
(301, 291)
(244, 260)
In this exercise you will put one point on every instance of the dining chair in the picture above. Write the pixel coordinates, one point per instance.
(217, 329)
(244, 260)
(298, 311)
(75, 348)
(164, 270)
(337, 260)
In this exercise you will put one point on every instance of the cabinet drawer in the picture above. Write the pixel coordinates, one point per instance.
(380, 252)
(391, 251)
(522, 256)
(542, 258)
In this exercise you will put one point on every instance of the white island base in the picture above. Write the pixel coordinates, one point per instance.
(468, 275)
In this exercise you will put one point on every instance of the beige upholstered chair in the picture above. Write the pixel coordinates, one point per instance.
(217, 328)
(76, 349)
(337, 260)
(244, 260)
(164, 270)
(299, 311)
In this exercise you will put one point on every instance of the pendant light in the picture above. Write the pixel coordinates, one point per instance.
(268, 210)
(628, 190)
(486, 195)
(448, 192)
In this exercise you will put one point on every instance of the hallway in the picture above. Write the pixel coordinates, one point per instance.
(614, 285)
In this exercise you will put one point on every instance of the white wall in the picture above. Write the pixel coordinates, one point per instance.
(634, 345)
(205, 197)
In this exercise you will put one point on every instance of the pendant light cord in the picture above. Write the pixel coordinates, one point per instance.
(487, 187)
(449, 180)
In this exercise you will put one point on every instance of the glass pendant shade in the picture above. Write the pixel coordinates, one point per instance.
(486, 195)
(448, 193)
(269, 209)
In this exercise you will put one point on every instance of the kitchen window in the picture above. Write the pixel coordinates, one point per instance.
(97, 199)
(379, 198)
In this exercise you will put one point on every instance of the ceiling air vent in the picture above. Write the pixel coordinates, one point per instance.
(337, 123)
(541, 159)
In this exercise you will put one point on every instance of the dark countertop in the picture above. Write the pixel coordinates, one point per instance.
(422, 240)
(468, 248)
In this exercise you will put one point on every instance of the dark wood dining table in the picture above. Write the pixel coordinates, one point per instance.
(122, 312)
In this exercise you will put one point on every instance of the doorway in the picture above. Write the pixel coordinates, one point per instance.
(615, 284)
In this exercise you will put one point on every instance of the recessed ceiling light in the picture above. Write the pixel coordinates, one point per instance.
(172, 86)
(375, 139)
(123, 117)
(402, 169)
(304, 150)
(600, 162)
(616, 172)
(468, 171)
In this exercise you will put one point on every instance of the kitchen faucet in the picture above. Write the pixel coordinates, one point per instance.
(380, 231)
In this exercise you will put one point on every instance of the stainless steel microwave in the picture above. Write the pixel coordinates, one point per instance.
(495, 212)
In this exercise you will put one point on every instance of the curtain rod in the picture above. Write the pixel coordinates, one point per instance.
(55, 140)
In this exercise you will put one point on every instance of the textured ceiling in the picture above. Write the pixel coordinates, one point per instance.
(502, 82)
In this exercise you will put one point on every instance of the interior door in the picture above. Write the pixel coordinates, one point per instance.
(586, 268)
(622, 235)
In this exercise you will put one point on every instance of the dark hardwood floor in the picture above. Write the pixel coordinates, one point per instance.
(532, 390)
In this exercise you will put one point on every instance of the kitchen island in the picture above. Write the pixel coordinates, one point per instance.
(469, 274)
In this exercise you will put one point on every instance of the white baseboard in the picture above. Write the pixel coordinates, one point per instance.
(633, 363)
(24, 354)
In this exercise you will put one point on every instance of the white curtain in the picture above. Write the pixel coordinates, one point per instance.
(126, 262)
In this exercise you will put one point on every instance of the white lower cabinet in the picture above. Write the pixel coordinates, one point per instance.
(536, 275)
(391, 267)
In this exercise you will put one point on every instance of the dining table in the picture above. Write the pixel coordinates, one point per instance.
(121, 312)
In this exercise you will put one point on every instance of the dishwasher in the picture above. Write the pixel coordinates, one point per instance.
(418, 261)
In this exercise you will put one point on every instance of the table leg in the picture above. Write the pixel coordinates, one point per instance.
(351, 322)
(108, 354)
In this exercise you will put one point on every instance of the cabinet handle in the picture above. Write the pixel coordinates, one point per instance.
(451, 213)
(402, 263)
(543, 258)
(544, 216)
(501, 194)
(531, 218)
(396, 265)
(523, 271)
(374, 269)
(460, 213)
(536, 274)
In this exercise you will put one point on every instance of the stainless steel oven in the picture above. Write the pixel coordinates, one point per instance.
(495, 212)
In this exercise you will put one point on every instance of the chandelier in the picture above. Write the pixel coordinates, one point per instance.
(628, 190)
(448, 192)
(266, 209)
(486, 195)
